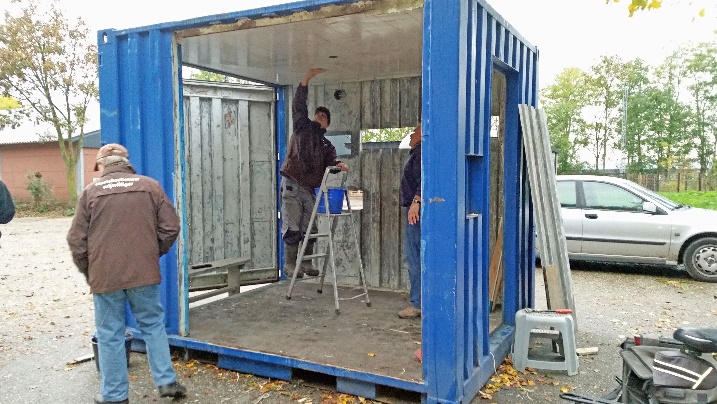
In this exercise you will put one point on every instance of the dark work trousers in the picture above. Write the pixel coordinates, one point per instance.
(297, 203)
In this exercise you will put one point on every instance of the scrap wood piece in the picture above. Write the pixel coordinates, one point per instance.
(81, 359)
(495, 273)
(593, 350)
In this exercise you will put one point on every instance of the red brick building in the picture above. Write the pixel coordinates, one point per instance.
(17, 160)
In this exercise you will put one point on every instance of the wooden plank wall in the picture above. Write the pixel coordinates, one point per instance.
(230, 193)
(383, 220)
(380, 225)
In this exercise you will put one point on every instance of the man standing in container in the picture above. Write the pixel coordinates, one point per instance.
(123, 223)
(307, 156)
(410, 197)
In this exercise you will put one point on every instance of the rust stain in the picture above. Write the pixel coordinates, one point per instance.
(229, 119)
(370, 7)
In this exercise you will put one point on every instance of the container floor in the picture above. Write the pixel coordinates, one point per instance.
(366, 339)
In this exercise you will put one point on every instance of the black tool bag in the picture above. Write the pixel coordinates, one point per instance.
(677, 369)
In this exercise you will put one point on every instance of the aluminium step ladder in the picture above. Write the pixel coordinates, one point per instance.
(329, 255)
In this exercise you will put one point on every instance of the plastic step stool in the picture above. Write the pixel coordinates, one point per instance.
(526, 321)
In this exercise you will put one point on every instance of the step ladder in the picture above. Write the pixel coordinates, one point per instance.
(329, 256)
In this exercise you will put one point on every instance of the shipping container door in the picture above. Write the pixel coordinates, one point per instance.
(230, 177)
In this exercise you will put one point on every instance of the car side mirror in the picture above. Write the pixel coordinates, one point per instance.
(649, 207)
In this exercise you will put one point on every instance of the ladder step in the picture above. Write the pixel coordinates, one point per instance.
(317, 235)
(312, 256)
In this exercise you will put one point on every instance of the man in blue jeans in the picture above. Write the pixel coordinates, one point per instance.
(411, 198)
(123, 223)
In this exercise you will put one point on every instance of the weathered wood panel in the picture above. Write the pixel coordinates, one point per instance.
(382, 219)
(231, 174)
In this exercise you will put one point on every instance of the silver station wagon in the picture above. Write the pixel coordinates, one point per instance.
(616, 220)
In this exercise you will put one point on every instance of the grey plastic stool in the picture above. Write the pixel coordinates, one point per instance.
(526, 321)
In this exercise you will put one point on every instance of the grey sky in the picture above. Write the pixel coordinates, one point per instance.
(567, 32)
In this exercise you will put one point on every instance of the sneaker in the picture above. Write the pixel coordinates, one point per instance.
(172, 390)
(100, 400)
(410, 312)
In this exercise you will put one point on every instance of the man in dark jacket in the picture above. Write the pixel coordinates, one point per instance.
(123, 223)
(308, 155)
(411, 198)
(7, 206)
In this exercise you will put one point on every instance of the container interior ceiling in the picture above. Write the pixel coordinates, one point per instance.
(354, 42)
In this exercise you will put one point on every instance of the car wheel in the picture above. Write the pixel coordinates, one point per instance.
(701, 259)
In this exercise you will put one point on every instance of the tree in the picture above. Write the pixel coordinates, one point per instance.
(211, 76)
(564, 102)
(9, 112)
(606, 82)
(384, 135)
(642, 5)
(700, 69)
(50, 68)
(637, 112)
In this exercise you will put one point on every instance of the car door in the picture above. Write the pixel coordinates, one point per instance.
(572, 215)
(616, 228)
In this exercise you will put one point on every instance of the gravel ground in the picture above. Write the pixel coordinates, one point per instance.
(47, 320)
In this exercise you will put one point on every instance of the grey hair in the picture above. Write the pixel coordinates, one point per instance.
(110, 160)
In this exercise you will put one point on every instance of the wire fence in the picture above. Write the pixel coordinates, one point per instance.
(674, 181)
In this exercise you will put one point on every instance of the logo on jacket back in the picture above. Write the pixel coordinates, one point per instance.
(117, 183)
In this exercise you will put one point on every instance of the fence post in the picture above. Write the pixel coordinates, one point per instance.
(679, 178)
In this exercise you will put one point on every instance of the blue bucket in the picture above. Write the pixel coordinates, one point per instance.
(336, 200)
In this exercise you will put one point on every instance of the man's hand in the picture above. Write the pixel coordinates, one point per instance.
(83, 265)
(414, 213)
(343, 166)
(310, 74)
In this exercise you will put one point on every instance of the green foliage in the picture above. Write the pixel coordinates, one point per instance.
(564, 102)
(696, 199)
(606, 84)
(49, 64)
(385, 135)
(216, 77)
(662, 118)
(40, 189)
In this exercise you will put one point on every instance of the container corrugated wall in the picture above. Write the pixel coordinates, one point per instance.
(458, 64)
(137, 109)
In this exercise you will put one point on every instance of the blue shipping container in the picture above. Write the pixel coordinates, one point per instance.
(459, 49)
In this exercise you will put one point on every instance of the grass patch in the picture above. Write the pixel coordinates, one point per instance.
(23, 209)
(696, 199)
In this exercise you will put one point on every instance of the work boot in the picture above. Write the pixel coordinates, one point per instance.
(410, 312)
(175, 390)
(100, 400)
(307, 267)
(290, 252)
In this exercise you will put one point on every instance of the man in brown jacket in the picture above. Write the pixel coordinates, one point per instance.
(123, 223)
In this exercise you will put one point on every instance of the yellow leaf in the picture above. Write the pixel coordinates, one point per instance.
(702, 13)
(8, 103)
(566, 389)
(655, 4)
(371, 354)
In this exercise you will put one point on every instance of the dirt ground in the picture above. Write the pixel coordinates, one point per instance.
(47, 321)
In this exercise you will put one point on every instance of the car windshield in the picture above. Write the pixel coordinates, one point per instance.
(672, 205)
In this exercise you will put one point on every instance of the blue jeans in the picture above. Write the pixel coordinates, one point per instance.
(413, 256)
(110, 323)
